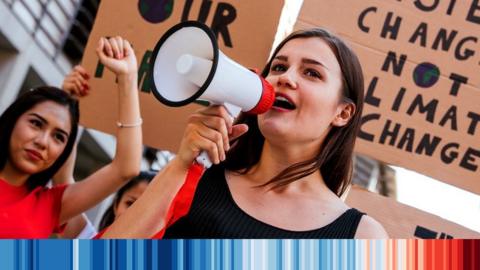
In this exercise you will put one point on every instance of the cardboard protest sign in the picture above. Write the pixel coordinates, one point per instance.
(402, 221)
(245, 31)
(421, 61)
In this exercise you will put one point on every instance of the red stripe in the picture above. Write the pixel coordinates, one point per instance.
(459, 254)
(466, 255)
(429, 255)
(439, 254)
(416, 254)
(476, 250)
(183, 200)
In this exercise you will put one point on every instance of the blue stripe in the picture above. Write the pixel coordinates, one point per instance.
(106, 258)
(154, 254)
(296, 252)
(18, 254)
(329, 254)
(379, 255)
(121, 254)
(164, 254)
(147, 255)
(196, 254)
(351, 253)
(232, 254)
(83, 255)
(173, 254)
(16, 260)
(180, 255)
(98, 258)
(8, 254)
(113, 256)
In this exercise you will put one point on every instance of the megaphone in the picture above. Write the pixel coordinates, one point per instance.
(186, 65)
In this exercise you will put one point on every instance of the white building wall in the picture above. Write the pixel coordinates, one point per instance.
(24, 47)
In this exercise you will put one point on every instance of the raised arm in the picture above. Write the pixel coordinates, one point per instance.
(209, 129)
(65, 177)
(118, 56)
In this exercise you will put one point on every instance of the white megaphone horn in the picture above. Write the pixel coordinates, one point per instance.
(186, 66)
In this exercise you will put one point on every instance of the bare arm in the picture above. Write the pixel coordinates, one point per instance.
(65, 177)
(369, 228)
(118, 56)
(147, 215)
(207, 130)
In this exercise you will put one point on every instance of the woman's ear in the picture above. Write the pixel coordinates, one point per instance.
(345, 112)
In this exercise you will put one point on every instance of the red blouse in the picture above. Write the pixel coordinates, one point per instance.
(29, 214)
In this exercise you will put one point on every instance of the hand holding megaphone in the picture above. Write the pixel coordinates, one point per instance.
(209, 131)
(187, 65)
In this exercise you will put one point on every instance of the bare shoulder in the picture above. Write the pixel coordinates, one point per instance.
(369, 228)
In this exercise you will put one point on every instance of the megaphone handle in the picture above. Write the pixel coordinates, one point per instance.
(203, 158)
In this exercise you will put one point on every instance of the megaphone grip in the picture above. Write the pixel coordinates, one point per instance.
(204, 160)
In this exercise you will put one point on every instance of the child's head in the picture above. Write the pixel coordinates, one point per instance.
(125, 197)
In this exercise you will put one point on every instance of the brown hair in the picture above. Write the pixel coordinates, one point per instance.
(335, 159)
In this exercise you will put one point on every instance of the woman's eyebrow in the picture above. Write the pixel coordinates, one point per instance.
(39, 117)
(304, 60)
(46, 122)
(281, 57)
(314, 62)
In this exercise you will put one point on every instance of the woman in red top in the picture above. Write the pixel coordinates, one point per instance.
(37, 133)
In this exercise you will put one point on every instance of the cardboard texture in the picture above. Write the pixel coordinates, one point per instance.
(245, 32)
(421, 61)
(402, 221)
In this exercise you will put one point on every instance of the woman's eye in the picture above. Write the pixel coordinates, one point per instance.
(36, 123)
(313, 73)
(129, 203)
(60, 137)
(278, 68)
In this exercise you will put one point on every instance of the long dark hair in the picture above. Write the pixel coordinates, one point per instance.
(109, 215)
(24, 103)
(335, 158)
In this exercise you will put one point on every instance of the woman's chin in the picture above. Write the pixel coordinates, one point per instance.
(28, 168)
(273, 130)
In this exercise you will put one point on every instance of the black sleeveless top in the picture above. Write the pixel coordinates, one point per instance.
(214, 214)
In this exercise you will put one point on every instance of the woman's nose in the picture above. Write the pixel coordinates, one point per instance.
(287, 79)
(41, 140)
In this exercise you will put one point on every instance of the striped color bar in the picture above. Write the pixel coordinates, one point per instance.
(238, 254)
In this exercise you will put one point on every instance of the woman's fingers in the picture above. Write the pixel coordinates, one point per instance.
(215, 123)
(76, 76)
(120, 43)
(80, 70)
(76, 83)
(218, 118)
(115, 47)
(193, 144)
(238, 130)
(109, 48)
(127, 48)
(104, 50)
(220, 111)
(215, 146)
